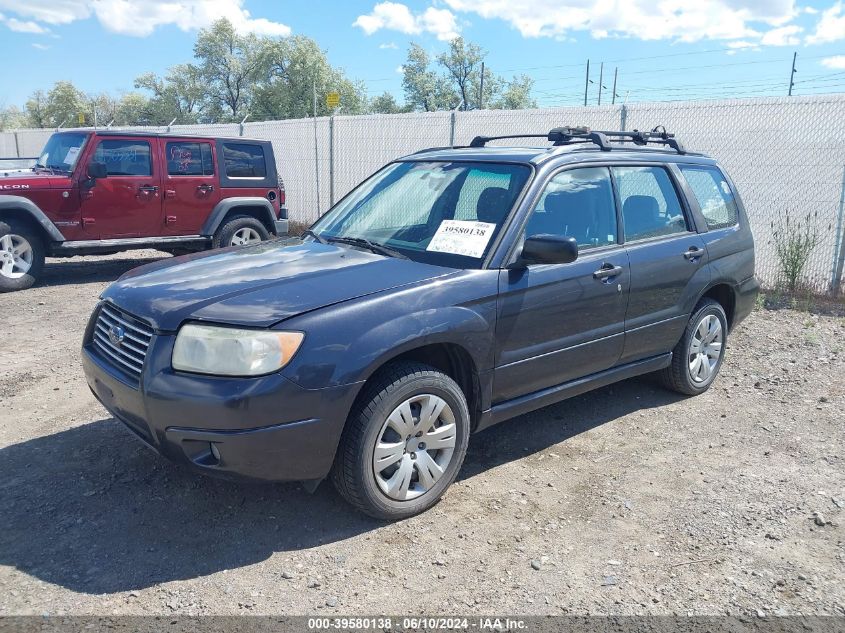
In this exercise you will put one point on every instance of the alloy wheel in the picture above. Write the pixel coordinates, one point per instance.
(245, 235)
(705, 349)
(414, 447)
(16, 256)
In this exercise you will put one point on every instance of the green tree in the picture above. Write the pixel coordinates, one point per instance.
(180, 95)
(516, 95)
(36, 109)
(385, 103)
(295, 66)
(424, 88)
(231, 65)
(462, 62)
(12, 118)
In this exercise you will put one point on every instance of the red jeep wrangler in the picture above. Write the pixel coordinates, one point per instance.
(102, 192)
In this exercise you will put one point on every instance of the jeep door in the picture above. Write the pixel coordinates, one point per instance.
(559, 322)
(667, 258)
(190, 184)
(126, 203)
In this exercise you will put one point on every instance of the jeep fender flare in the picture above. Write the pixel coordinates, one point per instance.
(222, 208)
(25, 207)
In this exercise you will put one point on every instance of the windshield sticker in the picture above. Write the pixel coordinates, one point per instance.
(462, 237)
(72, 153)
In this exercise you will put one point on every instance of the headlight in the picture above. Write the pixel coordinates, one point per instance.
(225, 351)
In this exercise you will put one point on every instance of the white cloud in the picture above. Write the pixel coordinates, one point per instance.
(388, 45)
(22, 26)
(130, 17)
(395, 16)
(40, 47)
(782, 36)
(682, 20)
(837, 62)
(830, 27)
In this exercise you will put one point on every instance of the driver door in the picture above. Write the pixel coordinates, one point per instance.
(559, 322)
(127, 202)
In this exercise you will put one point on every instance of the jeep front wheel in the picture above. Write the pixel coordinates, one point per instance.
(241, 230)
(21, 256)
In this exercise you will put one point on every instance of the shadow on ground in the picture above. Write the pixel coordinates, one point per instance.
(63, 272)
(93, 510)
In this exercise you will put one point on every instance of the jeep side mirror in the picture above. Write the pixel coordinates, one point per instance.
(96, 170)
(549, 249)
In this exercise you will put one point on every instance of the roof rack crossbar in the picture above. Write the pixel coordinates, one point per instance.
(568, 135)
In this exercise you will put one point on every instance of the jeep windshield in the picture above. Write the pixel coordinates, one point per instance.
(437, 212)
(61, 151)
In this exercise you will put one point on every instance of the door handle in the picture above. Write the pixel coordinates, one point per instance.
(607, 272)
(205, 188)
(148, 189)
(693, 253)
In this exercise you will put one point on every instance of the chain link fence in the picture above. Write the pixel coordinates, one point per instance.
(786, 155)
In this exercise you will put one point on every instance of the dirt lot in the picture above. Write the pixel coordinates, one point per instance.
(627, 500)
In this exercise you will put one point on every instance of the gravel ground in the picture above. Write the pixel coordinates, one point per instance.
(628, 500)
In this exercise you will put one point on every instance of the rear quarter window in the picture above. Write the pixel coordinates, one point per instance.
(242, 160)
(714, 195)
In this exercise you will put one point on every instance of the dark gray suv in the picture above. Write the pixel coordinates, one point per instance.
(452, 290)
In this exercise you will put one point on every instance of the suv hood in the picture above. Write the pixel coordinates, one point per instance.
(19, 182)
(260, 285)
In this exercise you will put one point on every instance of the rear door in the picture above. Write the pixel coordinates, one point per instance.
(667, 258)
(127, 203)
(190, 184)
(559, 322)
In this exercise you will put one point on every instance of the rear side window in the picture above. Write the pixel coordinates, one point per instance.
(714, 195)
(244, 161)
(650, 204)
(189, 159)
(124, 157)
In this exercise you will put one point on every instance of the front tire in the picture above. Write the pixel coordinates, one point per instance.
(241, 230)
(21, 256)
(698, 356)
(404, 442)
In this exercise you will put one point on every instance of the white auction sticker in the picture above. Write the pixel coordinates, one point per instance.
(462, 237)
(72, 153)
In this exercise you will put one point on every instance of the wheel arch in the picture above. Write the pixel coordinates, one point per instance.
(724, 294)
(20, 208)
(259, 208)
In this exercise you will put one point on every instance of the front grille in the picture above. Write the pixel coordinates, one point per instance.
(127, 355)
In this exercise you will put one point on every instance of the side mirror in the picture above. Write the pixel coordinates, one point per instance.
(97, 170)
(549, 249)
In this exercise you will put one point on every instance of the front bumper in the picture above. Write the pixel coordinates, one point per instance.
(266, 428)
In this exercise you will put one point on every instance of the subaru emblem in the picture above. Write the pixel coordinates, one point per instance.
(116, 335)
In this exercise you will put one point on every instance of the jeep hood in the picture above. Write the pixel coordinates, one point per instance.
(260, 285)
(22, 181)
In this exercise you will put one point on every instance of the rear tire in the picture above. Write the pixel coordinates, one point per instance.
(241, 230)
(21, 256)
(404, 442)
(698, 356)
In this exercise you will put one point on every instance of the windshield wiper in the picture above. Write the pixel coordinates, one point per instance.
(307, 232)
(379, 249)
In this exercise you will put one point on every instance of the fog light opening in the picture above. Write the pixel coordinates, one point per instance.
(214, 451)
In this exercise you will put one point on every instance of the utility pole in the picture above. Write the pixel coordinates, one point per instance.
(587, 83)
(615, 73)
(481, 96)
(601, 74)
(792, 74)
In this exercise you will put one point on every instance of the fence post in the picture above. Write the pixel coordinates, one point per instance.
(17, 146)
(623, 115)
(452, 118)
(839, 248)
(331, 160)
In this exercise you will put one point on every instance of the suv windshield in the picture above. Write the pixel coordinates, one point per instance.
(443, 213)
(61, 151)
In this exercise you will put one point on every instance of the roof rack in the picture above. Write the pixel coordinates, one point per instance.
(602, 138)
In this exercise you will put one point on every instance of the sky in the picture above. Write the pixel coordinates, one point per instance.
(671, 49)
